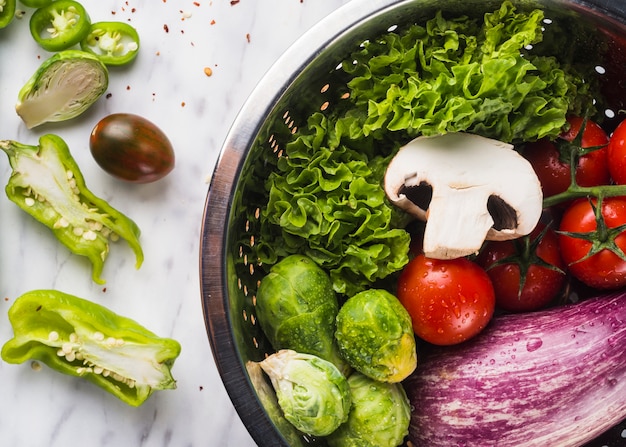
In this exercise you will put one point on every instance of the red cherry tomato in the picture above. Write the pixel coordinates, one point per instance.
(449, 301)
(617, 154)
(604, 269)
(538, 257)
(554, 172)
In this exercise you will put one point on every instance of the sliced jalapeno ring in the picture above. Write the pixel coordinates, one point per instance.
(115, 43)
(7, 12)
(36, 3)
(60, 25)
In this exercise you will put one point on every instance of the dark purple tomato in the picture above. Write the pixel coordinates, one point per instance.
(131, 148)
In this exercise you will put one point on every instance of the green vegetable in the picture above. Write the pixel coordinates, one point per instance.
(77, 337)
(115, 43)
(63, 87)
(267, 396)
(375, 335)
(296, 308)
(47, 183)
(59, 25)
(36, 3)
(379, 416)
(312, 393)
(326, 201)
(7, 12)
(464, 75)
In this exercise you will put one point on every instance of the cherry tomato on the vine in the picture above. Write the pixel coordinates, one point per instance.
(617, 154)
(534, 260)
(590, 244)
(552, 166)
(449, 301)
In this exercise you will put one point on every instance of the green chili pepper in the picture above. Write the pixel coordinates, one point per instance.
(36, 3)
(7, 12)
(60, 25)
(115, 43)
(78, 337)
(47, 183)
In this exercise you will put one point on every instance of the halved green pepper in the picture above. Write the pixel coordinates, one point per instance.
(59, 25)
(114, 43)
(7, 12)
(47, 183)
(78, 337)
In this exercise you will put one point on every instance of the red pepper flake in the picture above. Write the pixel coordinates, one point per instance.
(212, 22)
(201, 387)
(183, 104)
(208, 71)
(104, 290)
(128, 87)
(233, 2)
(248, 37)
(113, 13)
(109, 95)
(166, 28)
(196, 3)
(6, 298)
(133, 10)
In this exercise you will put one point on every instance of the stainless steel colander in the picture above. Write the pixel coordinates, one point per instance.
(306, 79)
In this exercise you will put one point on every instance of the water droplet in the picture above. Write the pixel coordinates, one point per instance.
(533, 344)
(492, 361)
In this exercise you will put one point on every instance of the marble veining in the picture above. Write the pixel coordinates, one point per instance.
(167, 84)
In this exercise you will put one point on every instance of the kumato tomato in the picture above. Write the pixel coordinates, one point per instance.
(617, 154)
(593, 247)
(449, 301)
(131, 148)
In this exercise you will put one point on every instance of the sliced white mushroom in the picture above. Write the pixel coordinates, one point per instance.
(467, 188)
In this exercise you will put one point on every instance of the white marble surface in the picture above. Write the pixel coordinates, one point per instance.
(168, 85)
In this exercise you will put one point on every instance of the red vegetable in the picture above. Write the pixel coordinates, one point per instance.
(551, 161)
(593, 242)
(617, 154)
(131, 148)
(449, 301)
(527, 273)
(548, 378)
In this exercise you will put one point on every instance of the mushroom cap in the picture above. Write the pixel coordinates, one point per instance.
(467, 188)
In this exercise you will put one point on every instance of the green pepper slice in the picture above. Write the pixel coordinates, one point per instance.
(60, 25)
(7, 12)
(80, 338)
(36, 3)
(47, 183)
(115, 43)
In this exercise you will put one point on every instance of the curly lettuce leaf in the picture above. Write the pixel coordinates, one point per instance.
(461, 75)
(326, 202)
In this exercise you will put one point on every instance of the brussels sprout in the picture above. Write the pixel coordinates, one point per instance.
(379, 416)
(63, 87)
(267, 396)
(296, 308)
(311, 391)
(375, 335)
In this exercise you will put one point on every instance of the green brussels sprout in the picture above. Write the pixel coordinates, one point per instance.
(312, 393)
(375, 335)
(63, 87)
(296, 308)
(379, 416)
(267, 396)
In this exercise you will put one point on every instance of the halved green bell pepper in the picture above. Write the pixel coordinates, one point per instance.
(78, 337)
(59, 25)
(47, 183)
(7, 12)
(114, 43)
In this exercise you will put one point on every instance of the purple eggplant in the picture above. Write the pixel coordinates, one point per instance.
(549, 378)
